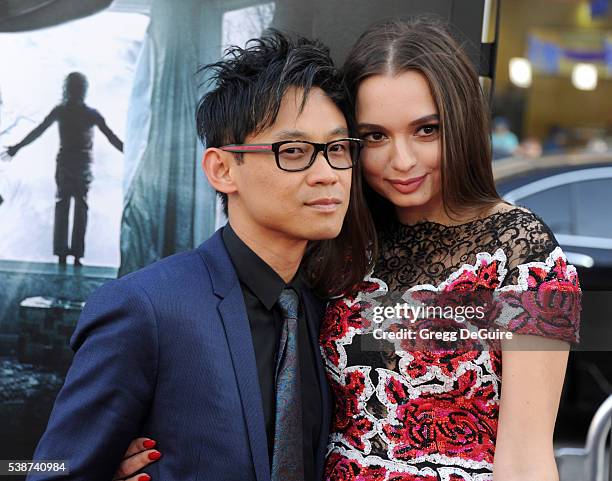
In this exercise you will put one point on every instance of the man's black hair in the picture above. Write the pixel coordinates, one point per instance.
(250, 84)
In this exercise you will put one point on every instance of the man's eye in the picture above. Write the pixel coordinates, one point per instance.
(292, 151)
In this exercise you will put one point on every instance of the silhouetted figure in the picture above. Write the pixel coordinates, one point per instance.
(73, 172)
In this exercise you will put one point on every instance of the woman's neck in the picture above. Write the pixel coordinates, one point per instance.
(435, 212)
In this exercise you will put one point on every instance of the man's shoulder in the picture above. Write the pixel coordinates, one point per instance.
(179, 273)
(170, 290)
(182, 264)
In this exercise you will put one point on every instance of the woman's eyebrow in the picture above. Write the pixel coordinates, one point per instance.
(425, 119)
(367, 126)
(420, 120)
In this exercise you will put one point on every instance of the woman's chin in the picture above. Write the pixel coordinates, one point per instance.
(408, 201)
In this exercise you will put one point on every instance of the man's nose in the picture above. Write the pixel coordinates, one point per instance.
(320, 172)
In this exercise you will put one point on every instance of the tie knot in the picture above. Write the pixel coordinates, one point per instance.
(288, 302)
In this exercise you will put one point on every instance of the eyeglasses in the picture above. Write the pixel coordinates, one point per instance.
(297, 155)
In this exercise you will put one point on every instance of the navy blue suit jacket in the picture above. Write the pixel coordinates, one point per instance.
(167, 352)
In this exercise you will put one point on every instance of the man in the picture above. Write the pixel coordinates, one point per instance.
(213, 352)
(73, 173)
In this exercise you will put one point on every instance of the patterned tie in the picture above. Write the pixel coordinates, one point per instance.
(287, 458)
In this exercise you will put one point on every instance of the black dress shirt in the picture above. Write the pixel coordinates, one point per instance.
(261, 288)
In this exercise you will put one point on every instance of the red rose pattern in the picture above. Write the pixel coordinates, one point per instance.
(440, 408)
(350, 421)
(461, 422)
(549, 306)
(340, 468)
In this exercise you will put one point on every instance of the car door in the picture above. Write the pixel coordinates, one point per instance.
(577, 206)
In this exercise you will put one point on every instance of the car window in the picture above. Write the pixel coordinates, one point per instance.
(593, 207)
(553, 206)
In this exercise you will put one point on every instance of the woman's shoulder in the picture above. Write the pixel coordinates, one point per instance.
(514, 222)
(512, 214)
(523, 236)
(536, 265)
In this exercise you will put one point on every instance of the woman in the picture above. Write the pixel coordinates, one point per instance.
(409, 412)
(430, 414)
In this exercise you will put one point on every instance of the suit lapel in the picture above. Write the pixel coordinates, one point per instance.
(234, 316)
(237, 330)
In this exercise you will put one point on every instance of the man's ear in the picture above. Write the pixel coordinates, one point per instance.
(218, 165)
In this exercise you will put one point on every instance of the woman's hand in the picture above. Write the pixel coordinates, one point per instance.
(140, 453)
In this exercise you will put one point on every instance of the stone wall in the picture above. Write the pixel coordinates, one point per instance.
(21, 280)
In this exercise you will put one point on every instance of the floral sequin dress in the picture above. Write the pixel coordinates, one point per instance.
(431, 415)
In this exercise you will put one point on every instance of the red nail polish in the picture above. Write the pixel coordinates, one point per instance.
(154, 456)
(144, 477)
(149, 443)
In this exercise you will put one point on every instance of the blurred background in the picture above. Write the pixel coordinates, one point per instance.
(553, 72)
(552, 149)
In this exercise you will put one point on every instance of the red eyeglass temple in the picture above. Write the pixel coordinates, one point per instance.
(248, 148)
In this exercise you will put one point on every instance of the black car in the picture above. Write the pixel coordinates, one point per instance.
(573, 195)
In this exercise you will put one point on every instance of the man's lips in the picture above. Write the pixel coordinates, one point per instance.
(325, 203)
(407, 186)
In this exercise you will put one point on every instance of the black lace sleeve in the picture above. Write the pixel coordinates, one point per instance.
(525, 239)
(540, 293)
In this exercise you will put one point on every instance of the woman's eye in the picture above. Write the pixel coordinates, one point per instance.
(428, 130)
(374, 137)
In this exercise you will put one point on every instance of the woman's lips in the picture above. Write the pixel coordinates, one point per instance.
(407, 186)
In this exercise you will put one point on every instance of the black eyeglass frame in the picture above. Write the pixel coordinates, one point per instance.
(275, 148)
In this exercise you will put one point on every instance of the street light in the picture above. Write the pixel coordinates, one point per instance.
(520, 72)
(584, 76)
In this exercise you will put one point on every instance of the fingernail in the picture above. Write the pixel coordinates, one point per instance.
(149, 443)
(154, 456)
(144, 477)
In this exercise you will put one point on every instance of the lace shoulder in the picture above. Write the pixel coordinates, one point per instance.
(428, 252)
(525, 238)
